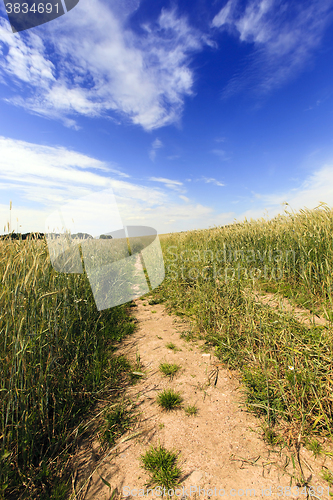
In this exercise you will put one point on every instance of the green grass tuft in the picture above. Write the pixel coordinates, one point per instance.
(162, 466)
(314, 446)
(172, 346)
(191, 410)
(327, 475)
(169, 369)
(118, 422)
(169, 399)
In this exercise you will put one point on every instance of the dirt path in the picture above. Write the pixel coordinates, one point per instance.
(301, 315)
(221, 447)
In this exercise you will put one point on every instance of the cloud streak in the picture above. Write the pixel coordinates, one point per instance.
(284, 36)
(157, 144)
(40, 179)
(211, 180)
(317, 187)
(171, 184)
(91, 65)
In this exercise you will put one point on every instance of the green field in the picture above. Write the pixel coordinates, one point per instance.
(286, 367)
(57, 350)
(57, 360)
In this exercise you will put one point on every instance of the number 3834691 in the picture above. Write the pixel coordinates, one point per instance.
(24, 8)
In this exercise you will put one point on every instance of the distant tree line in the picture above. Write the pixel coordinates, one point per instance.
(41, 236)
(22, 236)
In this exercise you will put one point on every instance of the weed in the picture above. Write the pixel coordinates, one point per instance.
(270, 436)
(187, 335)
(191, 410)
(136, 372)
(169, 369)
(327, 475)
(172, 346)
(169, 399)
(314, 446)
(162, 465)
(152, 302)
(118, 422)
(261, 397)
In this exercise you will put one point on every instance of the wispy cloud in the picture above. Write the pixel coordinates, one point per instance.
(317, 187)
(211, 180)
(176, 185)
(284, 36)
(39, 179)
(157, 144)
(221, 154)
(173, 157)
(49, 175)
(91, 65)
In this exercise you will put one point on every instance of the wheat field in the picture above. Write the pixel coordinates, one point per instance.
(285, 366)
(57, 359)
(57, 349)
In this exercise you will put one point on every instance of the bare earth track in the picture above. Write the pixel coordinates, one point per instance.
(221, 447)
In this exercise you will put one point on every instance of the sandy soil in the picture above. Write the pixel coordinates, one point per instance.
(221, 447)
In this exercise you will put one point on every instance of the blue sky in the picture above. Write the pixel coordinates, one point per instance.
(194, 113)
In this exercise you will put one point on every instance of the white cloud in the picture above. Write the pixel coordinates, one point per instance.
(157, 144)
(316, 188)
(210, 180)
(225, 14)
(26, 163)
(221, 154)
(167, 182)
(284, 37)
(50, 175)
(91, 65)
(39, 179)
